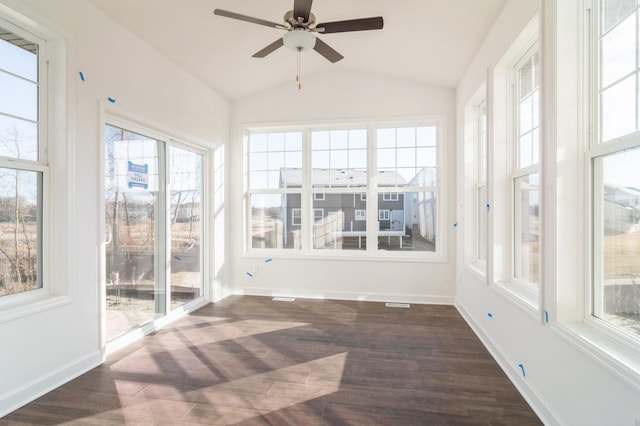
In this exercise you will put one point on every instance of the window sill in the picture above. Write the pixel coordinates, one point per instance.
(524, 298)
(478, 269)
(23, 305)
(619, 359)
(350, 255)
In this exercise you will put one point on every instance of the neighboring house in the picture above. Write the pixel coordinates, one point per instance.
(344, 214)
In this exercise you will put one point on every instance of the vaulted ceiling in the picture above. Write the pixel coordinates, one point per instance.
(427, 41)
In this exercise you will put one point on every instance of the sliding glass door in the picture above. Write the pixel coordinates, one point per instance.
(153, 250)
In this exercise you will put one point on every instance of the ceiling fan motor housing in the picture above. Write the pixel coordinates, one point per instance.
(299, 39)
(299, 21)
(301, 28)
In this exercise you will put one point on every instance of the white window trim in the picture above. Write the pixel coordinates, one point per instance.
(500, 179)
(318, 196)
(595, 149)
(360, 215)
(371, 253)
(248, 191)
(471, 174)
(530, 289)
(481, 157)
(383, 214)
(58, 167)
(607, 346)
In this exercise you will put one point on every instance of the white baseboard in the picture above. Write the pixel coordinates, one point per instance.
(346, 295)
(542, 409)
(15, 399)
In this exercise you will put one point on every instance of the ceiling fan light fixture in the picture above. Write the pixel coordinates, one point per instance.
(299, 39)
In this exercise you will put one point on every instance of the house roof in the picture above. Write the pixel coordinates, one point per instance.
(338, 178)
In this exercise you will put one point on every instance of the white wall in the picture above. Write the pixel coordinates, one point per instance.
(341, 97)
(566, 383)
(43, 350)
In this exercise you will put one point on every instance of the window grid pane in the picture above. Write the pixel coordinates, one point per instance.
(528, 109)
(19, 86)
(617, 229)
(482, 222)
(276, 221)
(275, 160)
(483, 142)
(20, 222)
(527, 228)
(21, 190)
(339, 158)
(339, 222)
(619, 70)
(407, 221)
(407, 156)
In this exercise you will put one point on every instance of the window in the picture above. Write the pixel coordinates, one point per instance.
(274, 189)
(324, 206)
(475, 151)
(383, 215)
(525, 177)
(618, 87)
(296, 217)
(481, 183)
(512, 208)
(24, 165)
(614, 159)
(153, 249)
(339, 162)
(318, 216)
(407, 162)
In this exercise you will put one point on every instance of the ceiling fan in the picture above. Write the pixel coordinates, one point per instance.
(301, 27)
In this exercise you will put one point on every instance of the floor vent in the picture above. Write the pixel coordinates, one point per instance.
(398, 305)
(284, 299)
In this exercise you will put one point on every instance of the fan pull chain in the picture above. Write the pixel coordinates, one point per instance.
(298, 79)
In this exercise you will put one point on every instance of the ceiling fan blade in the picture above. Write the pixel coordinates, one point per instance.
(270, 48)
(327, 51)
(246, 18)
(351, 25)
(302, 9)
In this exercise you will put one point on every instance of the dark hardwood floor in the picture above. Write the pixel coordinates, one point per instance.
(253, 361)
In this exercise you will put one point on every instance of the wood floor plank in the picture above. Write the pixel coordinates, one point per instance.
(253, 361)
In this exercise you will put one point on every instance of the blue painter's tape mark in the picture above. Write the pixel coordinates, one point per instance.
(546, 316)
(490, 315)
(455, 225)
(250, 274)
(488, 206)
(113, 101)
(522, 368)
(177, 257)
(81, 76)
(268, 260)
